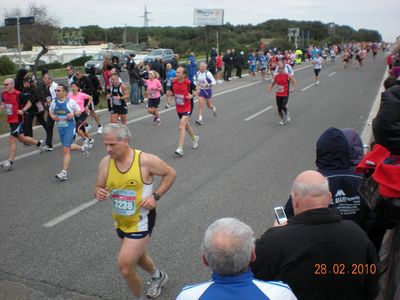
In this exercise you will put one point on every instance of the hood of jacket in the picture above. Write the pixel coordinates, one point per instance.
(333, 150)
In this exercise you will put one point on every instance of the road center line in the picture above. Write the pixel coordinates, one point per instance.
(307, 87)
(259, 113)
(70, 213)
(333, 73)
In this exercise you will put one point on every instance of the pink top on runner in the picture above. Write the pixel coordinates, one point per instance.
(153, 88)
(79, 99)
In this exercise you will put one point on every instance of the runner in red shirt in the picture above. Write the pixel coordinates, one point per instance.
(281, 80)
(184, 92)
(15, 118)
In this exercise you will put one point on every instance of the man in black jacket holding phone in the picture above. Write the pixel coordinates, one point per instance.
(319, 255)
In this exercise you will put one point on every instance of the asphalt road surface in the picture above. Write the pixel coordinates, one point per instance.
(57, 242)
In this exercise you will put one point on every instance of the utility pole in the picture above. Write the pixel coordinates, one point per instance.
(217, 40)
(17, 21)
(19, 44)
(124, 36)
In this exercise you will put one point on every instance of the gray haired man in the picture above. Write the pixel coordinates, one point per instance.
(227, 249)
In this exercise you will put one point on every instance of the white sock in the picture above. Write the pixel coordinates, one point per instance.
(156, 274)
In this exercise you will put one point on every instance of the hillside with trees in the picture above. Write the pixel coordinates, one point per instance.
(185, 39)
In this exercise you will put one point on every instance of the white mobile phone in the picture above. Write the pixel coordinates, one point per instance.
(280, 214)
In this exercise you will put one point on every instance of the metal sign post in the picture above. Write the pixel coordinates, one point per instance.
(17, 21)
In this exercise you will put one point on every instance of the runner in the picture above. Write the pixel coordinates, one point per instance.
(281, 80)
(153, 93)
(118, 96)
(184, 92)
(362, 55)
(83, 100)
(204, 80)
(126, 176)
(317, 65)
(263, 62)
(252, 61)
(15, 119)
(63, 110)
(169, 76)
(346, 58)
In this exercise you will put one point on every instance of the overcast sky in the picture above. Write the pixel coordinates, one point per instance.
(370, 14)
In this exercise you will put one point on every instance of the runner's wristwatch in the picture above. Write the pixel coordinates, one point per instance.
(156, 196)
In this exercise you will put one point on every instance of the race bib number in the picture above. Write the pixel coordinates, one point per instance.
(280, 88)
(180, 99)
(153, 93)
(63, 122)
(123, 202)
(116, 101)
(8, 109)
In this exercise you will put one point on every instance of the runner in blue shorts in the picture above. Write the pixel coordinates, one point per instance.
(63, 111)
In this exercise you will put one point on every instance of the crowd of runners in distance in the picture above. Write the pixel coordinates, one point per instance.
(151, 82)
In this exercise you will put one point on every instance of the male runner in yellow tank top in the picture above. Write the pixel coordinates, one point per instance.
(126, 176)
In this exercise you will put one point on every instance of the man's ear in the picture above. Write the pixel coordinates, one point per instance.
(253, 255)
(295, 201)
(204, 260)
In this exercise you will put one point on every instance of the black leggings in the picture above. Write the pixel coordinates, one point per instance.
(28, 122)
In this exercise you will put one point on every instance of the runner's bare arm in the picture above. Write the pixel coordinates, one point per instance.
(294, 82)
(152, 165)
(100, 190)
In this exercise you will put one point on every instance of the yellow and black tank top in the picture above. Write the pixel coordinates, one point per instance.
(127, 190)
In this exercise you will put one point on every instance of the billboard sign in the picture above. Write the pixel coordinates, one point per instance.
(208, 17)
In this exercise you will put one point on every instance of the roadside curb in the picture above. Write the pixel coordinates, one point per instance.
(366, 134)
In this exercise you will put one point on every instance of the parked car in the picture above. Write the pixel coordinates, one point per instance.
(125, 58)
(165, 54)
(98, 60)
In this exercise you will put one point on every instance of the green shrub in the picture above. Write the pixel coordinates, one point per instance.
(80, 61)
(6, 66)
(52, 66)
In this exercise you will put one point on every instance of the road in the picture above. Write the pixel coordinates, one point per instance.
(59, 243)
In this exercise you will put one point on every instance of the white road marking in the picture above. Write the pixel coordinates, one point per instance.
(259, 113)
(333, 73)
(70, 213)
(308, 86)
(367, 131)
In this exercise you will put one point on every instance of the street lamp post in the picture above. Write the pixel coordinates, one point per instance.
(17, 21)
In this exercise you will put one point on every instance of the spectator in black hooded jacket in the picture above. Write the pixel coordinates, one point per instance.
(338, 152)
(19, 79)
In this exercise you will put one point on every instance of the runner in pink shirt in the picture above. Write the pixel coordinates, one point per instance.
(83, 100)
(154, 89)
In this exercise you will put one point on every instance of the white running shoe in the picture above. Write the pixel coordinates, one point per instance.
(100, 129)
(158, 122)
(90, 143)
(85, 149)
(7, 165)
(214, 111)
(88, 127)
(155, 286)
(62, 175)
(179, 151)
(282, 123)
(317, 83)
(167, 106)
(196, 141)
(287, 116)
